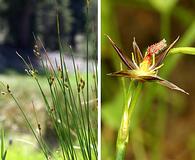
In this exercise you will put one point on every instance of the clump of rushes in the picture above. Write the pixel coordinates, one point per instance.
(69, 106)
(142, 68)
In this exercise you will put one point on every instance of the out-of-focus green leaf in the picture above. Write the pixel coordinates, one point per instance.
(163, 6)
(181, 13)
(111, 112)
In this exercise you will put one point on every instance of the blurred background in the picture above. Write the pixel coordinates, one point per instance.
(19, 20)
(163, 125)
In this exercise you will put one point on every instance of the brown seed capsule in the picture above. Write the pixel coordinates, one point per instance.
(8, 89)
(39, 127)
(51, 80)
(79, 87)
(3, 93)
(36, 50)
(52, 109)
(66, 85)
(83, 85)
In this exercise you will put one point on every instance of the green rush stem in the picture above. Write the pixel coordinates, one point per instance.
(87, 87)
(2, 144)
(123, 82)
(30, 126)
(183, 50)
(123, 133)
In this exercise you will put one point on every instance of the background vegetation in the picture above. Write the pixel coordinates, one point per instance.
(19, 19)
(163, 125)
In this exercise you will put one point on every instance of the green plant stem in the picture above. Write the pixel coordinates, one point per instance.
(2, 144)
(183, 50)
(123, 133)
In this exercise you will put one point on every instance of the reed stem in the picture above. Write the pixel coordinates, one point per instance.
(123, 133)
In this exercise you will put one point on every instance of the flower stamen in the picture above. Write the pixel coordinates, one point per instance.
(158, 67)
(133, 59)
(153, 62)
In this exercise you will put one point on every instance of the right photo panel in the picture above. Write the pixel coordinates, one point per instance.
(147, 80)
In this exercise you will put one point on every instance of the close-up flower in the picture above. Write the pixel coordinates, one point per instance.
(144, 67)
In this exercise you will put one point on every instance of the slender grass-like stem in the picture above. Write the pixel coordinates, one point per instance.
(43, 147)
(123, 133)
(3, 150)
(183, 50)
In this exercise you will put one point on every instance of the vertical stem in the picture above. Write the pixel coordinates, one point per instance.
(2, 143)
(87, 76)
(123, 83)
(123, 133)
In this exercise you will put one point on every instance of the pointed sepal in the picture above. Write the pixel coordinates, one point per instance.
(137, 52)
(161, 56)
(123, 73)
(123, 57)
(163, 82)
(170, 85)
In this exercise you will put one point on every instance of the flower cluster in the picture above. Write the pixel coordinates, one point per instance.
(145, 67)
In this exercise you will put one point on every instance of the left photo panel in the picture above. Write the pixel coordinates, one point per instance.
(49, 80)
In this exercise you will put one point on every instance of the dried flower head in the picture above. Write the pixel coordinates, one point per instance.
(36, 50)
(145, 67)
